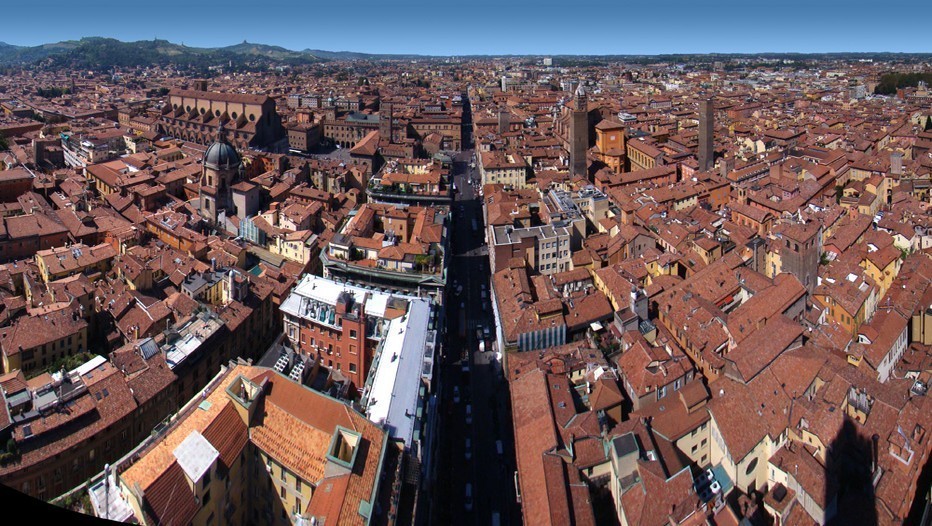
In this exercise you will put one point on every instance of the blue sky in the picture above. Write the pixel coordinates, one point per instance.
(443, 27)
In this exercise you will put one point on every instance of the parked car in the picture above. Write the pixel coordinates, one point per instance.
(468, 449)
(715, 487)
(468, 501)
(456, 394)
(469, 414)
(705, 478)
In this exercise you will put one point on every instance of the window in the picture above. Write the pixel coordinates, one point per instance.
(206, 500)
(297, 487)
(297, 506)
(206, 479)
(284, 492)
(352, 333)
(703, 442)
(751, 466)
(352, 367)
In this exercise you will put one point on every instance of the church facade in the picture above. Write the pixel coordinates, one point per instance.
(195, 116)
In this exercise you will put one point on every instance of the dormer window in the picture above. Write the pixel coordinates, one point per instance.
(341, 455)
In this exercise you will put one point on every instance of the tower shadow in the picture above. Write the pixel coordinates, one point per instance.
(850, 465)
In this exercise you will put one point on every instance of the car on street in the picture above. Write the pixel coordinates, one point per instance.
(456, 394)
(468, 449)
(705, 478)
(498, 448)
(468, 501)
(465, 365)
(469, 414)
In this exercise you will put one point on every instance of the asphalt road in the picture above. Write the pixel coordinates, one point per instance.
(483, 389)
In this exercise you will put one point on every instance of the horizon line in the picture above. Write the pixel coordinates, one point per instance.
(493, 55)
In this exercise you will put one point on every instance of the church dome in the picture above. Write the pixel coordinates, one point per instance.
(221, 155)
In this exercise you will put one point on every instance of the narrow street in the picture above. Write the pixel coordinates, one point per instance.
(488, 465)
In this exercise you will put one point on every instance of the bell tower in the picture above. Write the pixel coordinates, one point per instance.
(386, 121)
(579, 133)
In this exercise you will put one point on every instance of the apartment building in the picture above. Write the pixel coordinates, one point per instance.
(258, 448)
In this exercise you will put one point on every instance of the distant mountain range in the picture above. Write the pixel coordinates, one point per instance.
(103, 52)
(99, 52)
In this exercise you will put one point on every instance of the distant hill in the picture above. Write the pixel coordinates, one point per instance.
(270, 52)
(353, 55)
(98, 52)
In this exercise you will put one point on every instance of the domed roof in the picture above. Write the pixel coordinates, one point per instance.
(221, 154)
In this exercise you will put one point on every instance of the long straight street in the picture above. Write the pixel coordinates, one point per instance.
(477, 445)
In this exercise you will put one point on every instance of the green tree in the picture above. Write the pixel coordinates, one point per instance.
(4, 145)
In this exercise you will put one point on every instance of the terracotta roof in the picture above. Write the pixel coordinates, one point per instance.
(228, 434)
(169, 498)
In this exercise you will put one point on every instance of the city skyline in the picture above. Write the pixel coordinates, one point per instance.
(488, 28)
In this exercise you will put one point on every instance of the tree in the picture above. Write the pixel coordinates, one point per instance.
(422, 261)
(4, 145)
